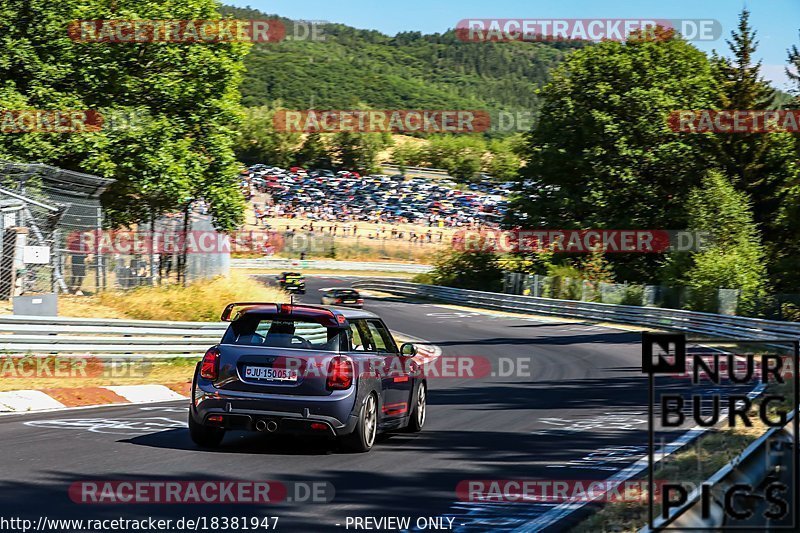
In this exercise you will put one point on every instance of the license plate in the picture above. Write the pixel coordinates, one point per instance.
(349, 301)
(270, 374)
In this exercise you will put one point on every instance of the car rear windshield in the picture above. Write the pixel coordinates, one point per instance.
(345, 293)
(271, 332)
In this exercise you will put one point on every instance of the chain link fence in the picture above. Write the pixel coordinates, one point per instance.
(43, 207)
(53, 239)
(722, 301)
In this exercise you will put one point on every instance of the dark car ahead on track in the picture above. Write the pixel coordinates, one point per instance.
(292, 282)
(342, 296)
(306, 370)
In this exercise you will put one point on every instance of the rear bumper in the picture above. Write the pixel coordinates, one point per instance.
(293, 287)
(292, 414)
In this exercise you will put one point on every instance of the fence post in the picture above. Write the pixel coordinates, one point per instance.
(727, 301)
(98, 258)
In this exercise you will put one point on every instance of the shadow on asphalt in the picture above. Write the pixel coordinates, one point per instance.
(246, 443)
(551, 325)
(559, 340)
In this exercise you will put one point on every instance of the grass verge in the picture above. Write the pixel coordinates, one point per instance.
(202, 301)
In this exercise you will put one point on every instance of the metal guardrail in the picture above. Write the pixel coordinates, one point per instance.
(707, 324)
(772, 455)
(354, 266)
(110, 338)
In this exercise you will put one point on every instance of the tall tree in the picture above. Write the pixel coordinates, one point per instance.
(602, 154)
(756, 162)
(786, 249)
(184, 98)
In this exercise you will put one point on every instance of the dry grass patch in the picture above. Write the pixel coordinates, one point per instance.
(202, 301)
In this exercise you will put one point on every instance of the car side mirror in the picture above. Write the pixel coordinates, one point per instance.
(408, 350)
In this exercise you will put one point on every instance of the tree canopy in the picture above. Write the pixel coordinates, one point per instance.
(181, 101)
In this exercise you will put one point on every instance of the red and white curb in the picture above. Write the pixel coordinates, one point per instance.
(27, 401)
(22, 401)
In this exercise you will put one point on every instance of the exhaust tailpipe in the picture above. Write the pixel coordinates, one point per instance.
(272, 426)
(261, 425)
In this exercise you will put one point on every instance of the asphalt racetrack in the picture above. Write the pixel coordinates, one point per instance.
(573, 407)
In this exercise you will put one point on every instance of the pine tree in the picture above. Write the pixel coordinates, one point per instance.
(749, 159)
(763, 166)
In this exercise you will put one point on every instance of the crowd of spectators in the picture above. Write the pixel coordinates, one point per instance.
(340, 201)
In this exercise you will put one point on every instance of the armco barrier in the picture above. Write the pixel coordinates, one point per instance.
(108, 338)
(769, 456)
(708, 324)
(355, 266)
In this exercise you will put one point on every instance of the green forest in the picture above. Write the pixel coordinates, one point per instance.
(406, 71)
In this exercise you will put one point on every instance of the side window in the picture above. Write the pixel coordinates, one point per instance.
(355, 338)
(382, 337)
(361, 336)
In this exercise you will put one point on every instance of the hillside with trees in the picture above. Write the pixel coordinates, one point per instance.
(406, 71)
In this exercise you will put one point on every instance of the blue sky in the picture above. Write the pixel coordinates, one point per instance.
(777, 21)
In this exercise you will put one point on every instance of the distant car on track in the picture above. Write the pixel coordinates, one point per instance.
(306, 370)
(292, 282)
(342, 296)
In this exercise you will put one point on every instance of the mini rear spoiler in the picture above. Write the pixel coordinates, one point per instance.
(228, 312)
(333, 319)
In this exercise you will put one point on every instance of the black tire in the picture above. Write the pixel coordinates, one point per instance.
(205, 436)
(363, 436)
(419, 411)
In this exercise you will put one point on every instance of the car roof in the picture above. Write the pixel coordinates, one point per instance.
(352, 314)
(298, 310)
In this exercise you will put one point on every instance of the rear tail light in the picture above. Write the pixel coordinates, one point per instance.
(340, 373)
(360, 301)
(216, 420)
(316, 426)
(338, 300)
(209, 368)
